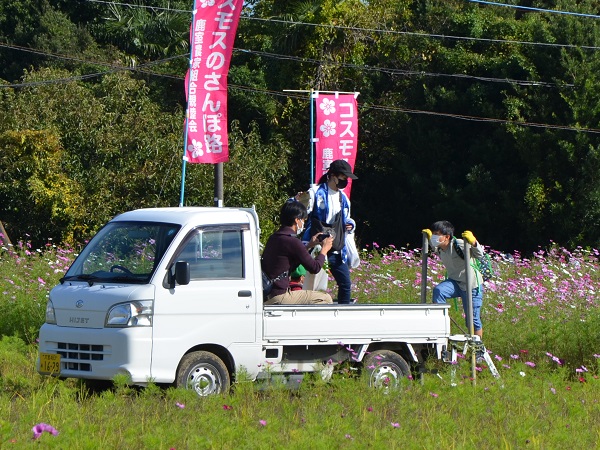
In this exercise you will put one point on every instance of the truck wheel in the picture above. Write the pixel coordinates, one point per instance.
(385, 369)
(203, 372)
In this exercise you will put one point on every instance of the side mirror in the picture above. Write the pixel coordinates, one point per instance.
(182, 272)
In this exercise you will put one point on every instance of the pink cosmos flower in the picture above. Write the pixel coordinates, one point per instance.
(179, 405)
(41, 427)
(434, 395)
(263, 423)
(227, 407)
(395, 424)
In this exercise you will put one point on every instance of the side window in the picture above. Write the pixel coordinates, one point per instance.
(214, 254)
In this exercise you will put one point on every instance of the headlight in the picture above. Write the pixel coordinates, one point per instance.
(50, 317)
(131, 314)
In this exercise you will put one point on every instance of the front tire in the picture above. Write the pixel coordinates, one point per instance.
(386, 369)
(203, 372)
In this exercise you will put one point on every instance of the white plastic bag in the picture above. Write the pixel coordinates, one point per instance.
(316, 282)
(352, 252)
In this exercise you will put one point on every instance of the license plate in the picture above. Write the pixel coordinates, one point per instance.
(50, 363)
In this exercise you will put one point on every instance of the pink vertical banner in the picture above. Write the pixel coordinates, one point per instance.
(336, 135)
(212, 33)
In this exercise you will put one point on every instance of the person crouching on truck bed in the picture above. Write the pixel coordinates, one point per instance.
(297, 278)
(441, 238)
(284, 252)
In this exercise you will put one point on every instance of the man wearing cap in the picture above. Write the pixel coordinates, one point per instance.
(329, 211)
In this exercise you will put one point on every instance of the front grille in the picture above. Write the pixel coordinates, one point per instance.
(77, 356)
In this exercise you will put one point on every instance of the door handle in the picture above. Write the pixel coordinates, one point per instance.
(244, 293)
(273, 313)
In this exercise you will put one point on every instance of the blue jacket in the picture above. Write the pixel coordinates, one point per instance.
(319, 195)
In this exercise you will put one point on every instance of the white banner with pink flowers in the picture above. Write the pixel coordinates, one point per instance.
(336, 131)
(212, 33)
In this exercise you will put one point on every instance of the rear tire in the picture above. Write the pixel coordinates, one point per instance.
(386, 369)
(203, 372)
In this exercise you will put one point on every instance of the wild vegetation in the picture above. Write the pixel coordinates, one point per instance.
(540, 316)
(480, 114)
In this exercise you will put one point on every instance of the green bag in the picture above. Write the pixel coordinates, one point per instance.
(483, 265)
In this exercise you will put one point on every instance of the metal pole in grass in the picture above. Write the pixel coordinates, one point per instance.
(424, 254)
(469, 312)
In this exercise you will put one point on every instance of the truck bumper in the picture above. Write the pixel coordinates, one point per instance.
(99, 354)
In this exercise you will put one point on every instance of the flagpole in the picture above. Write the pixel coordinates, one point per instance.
(312, 138)
(187, 112)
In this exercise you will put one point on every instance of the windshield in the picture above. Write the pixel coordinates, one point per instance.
(123, 252)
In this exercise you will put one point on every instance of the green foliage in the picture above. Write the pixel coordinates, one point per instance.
(540, 317)
(120, 133)
(257, 175)
(16, 369)
(34, 189)
(539, 409)
(146, 32)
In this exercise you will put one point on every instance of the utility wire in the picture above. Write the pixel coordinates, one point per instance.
(131, 5)
(114, 68)
(531, 8)
(390, 71)
(373, 30)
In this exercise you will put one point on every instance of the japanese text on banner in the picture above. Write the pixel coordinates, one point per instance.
(336, 132)
(212, 34)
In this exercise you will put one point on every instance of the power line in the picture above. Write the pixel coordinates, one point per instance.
(141, 68)
(431, 113)
(113, 67)
(392, 71)
(130, 5)
(374, 30)
(531, 8)
(297, 96)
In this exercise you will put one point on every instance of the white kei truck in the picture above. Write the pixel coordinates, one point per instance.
(174, 296)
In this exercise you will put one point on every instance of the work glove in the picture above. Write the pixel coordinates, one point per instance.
(468, 236)
(428, 232)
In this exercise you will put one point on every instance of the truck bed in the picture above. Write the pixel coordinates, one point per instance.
(411, 323)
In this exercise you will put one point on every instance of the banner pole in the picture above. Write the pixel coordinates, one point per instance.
(182, 180)
(187, 111)
(312, 139)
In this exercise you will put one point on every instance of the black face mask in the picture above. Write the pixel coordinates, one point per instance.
(341, 184)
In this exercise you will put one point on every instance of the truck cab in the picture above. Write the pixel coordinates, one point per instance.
(119, 308)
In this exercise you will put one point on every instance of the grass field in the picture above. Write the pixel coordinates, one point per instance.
(541, 322)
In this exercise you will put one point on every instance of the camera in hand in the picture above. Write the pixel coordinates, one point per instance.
(323, 236)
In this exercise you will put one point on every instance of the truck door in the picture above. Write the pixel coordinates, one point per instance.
(218, 306)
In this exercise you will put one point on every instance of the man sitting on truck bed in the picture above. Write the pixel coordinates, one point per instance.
(284, 252)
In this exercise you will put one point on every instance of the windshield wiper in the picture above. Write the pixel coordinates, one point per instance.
(84, 277)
